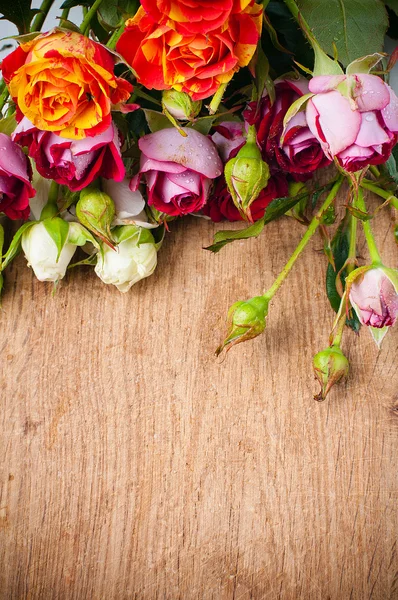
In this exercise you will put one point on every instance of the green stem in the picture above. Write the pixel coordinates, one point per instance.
(352, 252)
(339, 323)
(216, 100)
(3, 98)
(312, 227)
(359, 202)
(64, 15)
(85, 26)
(113, 40)
(41, 16)
(292, 6)
(375, 171)
(367, 185)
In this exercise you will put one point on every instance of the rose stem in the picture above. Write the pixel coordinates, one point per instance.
(338, 325)
(215, 101)
(3, 98)
(312, 227)
(115, 37)
(292, 6)
(359, 202)
(85, 26)
(393, 200)
(41, 16)
(64, 15)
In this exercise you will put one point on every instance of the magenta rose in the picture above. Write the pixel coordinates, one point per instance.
(221, 206)
(74, 163)
(354, 117)
(15, 177)
(300, 154)
(178, 170)
(374, 296)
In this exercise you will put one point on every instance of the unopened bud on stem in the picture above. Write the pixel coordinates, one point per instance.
(330, 365)
(246, 321)
(96, 210)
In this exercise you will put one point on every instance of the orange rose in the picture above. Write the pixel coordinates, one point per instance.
(197, 63)
(186, 16)
(64, 82)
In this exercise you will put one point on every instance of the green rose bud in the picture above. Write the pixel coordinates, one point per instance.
(180, 105)
(246, 321)
(96, 210)
(246, 175)
(330, 366)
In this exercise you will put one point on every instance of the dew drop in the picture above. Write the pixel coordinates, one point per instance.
(369, 118)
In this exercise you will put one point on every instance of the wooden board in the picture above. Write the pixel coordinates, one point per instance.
(135, 465)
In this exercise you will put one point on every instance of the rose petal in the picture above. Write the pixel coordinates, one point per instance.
(195, 151)
(390, 112)
(370, 132)
(371, 93)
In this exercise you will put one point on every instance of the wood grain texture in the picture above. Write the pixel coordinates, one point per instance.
(137, 466)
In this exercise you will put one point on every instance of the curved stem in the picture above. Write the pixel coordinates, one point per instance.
(85, 26)
(339, 323)
(359, 202)
(216, 100)
(372, 187)
(3, 98)
(41, 16)
(294, 9)
(352, 252)
(312, 227)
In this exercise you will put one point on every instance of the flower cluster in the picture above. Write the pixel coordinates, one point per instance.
(105, 141)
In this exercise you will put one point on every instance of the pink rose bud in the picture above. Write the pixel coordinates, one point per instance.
(15, 177)
(74, 163)
(374, 297)
(178, 170)
(354, 117)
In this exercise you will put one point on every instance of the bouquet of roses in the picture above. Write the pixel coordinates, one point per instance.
(144, 112)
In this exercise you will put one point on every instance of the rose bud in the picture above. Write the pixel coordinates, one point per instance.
(299, 153)
(74, 163)
(42, 254)
(374, 297)
(96, 210)
(246, 175)
(180, 105)
(330, 366)
(221, 206)
(15, 178)
(133, 259)
(354, 117)
(177, 170)
(246, 321)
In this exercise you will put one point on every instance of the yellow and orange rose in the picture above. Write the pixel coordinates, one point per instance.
(200, 16)
(64, 82)
(195, 63)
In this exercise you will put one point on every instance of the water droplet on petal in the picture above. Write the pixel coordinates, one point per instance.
(369, 118)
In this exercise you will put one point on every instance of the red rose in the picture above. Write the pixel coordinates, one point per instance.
(197, 63)
(15, 175)
(220, 205)
(189, 17)
(301, 153)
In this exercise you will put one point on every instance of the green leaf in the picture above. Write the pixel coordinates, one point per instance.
(340, 249)
(18, 12)
(79, 235)
(393, 5)
(15, 245)
(275, 209)
(263, 79)
(112, 13)
(356, 27)
(156, 120)
(58, 229)
(8, 124)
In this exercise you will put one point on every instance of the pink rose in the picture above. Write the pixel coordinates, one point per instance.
(15, 176)
(374, 296)
(355, 118)
(74, 163)
(300, 154)
(178, 170)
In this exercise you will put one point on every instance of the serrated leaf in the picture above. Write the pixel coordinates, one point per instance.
(340, 249)
(112, 13)
(18, 12)
(15, 245)
(58, 229)
(356, 27)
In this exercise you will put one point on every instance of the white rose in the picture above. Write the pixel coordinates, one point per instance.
(41, 253)
(126, 265)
